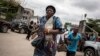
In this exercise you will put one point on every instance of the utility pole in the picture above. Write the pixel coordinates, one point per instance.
(84, 23)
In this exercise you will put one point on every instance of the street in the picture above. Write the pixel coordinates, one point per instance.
(15, 44)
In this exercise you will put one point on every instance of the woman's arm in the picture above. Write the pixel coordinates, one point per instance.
(53, 31)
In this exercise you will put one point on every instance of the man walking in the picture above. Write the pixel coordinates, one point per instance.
(72, 40)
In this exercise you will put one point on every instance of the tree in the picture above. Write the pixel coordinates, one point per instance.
(66, 24)
(94, 24)
(8, 7)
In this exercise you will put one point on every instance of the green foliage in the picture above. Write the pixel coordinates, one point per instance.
(9, 9)
(66, 24)
(93, 24)
(10, 16)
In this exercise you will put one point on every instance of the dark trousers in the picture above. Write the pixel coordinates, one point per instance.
(70, 53)
(28, 34)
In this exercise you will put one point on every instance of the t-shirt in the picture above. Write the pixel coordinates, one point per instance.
(74, 41)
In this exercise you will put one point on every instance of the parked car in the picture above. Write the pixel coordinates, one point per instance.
(23, 28)
(15, 25)
(4, 26)
(92, 48)
(18, 25)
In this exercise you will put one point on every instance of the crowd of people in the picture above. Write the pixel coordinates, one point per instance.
(50, 29)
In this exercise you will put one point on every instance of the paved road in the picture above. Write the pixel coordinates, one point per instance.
(15, 44)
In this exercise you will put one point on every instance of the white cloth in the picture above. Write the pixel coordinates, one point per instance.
(49, 25)
(66, 34)
(58, 38)
(61, 36)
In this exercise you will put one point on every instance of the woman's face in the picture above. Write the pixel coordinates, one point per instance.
(49, 12)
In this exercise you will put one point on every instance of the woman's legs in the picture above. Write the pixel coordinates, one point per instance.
(28, 35)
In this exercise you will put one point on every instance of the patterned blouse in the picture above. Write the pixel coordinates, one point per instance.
(56, 25)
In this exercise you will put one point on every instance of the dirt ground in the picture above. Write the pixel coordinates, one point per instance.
(15, 44)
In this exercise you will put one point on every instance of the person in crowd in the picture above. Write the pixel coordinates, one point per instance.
(61, 36)
(49, 27)
(58, 38)
(35, 30)
(87, 38)
(72, 41)
(30, 28)
(61, 41)
(93, 36)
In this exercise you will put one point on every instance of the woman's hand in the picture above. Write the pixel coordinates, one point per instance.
(46, 30)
